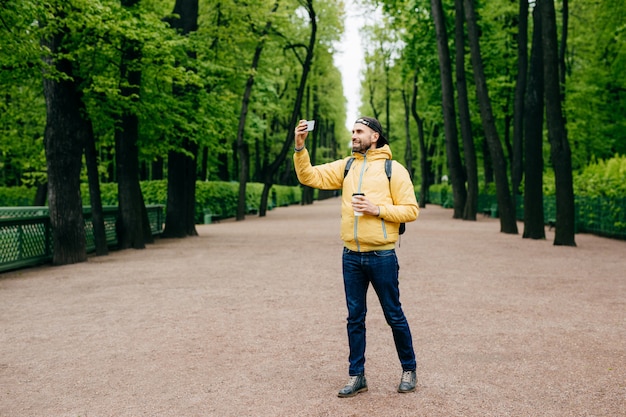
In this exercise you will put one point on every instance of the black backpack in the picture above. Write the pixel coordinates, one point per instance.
(387, 171)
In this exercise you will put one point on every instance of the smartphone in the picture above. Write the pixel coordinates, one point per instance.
(310, 125)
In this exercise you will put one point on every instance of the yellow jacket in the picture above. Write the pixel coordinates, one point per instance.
(395, 197)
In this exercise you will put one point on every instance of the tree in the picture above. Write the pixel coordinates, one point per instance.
(505, 205)
(534, 224)
(557, 133)
(595, 63)
(22, 105)
(455, 167)
(182, 162)
(91, 161)
(272, 168)
(517, 168)
(133, 227)
(64, 146)
(469, 151)
(242, 147)
(417, 61)
(408, 147)
(425, 171)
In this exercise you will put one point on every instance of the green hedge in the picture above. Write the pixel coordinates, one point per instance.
(17, 196)
(441, 194)
(600, 191)
(215, 197)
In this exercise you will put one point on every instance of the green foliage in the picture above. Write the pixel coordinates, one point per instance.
(284, 195)
(22, 106)
(595, 99)
(595, 103)
(191, 86)
(606, 178)
(488, 188)
(600, 191)
(441, 194)
(219, 198)
(21, 196)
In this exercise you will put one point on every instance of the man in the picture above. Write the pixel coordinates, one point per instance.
(369, 228)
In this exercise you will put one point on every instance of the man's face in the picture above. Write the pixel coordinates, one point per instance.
(363, 138)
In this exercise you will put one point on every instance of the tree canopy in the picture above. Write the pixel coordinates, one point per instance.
(189, 86)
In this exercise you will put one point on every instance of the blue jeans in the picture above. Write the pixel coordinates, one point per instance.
(381, 269)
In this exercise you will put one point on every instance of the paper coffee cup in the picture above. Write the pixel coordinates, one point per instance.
(357, 213)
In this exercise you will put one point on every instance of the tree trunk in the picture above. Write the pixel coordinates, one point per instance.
(408, 148)
(563, 47)
(469, 150)
(131, 230)
(95, 197)
(41, 194)
(64, 148)
(534, 224)
(517, 168)
(387, 94)
(223, 173)
(487, 165)
(424, 165)
(271, 170)
(157, 168)
(130, 233)
(308, 193)
(242, 147)
(181, 193)
(203, 168)
(455, 167)
(557, 133)
(180, 216)
(508, 223)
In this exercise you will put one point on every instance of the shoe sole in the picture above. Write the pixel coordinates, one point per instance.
(408, 390)
(353, 394)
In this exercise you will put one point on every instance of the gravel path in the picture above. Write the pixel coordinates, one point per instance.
(248, 319)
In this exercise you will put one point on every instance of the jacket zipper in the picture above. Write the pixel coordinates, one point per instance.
(356, 219)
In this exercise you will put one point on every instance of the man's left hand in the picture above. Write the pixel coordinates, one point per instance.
(364, 205)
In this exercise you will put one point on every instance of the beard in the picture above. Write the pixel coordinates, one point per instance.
(362, 145)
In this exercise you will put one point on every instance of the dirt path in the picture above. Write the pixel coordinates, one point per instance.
(248, 319)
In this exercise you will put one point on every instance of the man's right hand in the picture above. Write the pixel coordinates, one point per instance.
(301, 134)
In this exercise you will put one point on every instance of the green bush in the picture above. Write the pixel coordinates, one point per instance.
(218, 198)
(440, 194)
(602, 179)
(17, 196)
(285, 195)
(214, 197)
(108, 194)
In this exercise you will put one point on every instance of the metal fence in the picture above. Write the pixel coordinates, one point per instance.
(25, 233)
(601, 216)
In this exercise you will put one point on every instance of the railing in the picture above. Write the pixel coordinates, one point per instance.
(25, 233)
(601, 216)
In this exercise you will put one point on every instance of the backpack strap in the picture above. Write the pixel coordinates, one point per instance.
(388, 165)
(348, 165)
(388, 168)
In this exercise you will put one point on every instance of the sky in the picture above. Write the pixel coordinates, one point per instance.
(349, 59)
